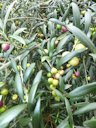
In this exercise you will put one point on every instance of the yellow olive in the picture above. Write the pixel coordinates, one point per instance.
(61, 67)
(14, 97)
(51, 87)
(28, 65)
(19, 67)
(68, 65)
(92, 29)
(4, 91)
(57, 98)
(56, 42)
(54, 70)
(50, 80)
(55, 82)
(83, 12)
(17, 22)
(40, 35)
(74, 61)
(88, 78)
(73, 76)
(54, 94)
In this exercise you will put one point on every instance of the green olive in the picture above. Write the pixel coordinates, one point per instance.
(58, 27)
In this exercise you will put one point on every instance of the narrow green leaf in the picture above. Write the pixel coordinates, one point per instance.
(94, 56)
(3, 34)
(64, 124)
(57, 21)
(24, 63)
(8, 13)
(62, 36)
(44, 29)
(61, 83)
(19, 86)
(32, 38)
(24, 55)
(93, 7)
(34, 87)
(83, 90)
(1, 24)
(51, 46)
(14, 65)
(43, 58)
(66, 13)
(69, 56)
(28, 72)
(62, 7)
(67, 86)
(68, 75)
(90, 123)
(18, 31)
(2, 84)
(87, 108)
(81, 104)
(82, 37)
(18, 38)
(38, 77)
(64, 41)
(24, 121)
(68, 108)
(50, 27)
(76, 14)
(87, 21)
(10, 114)
(47, 66)
(37, 115)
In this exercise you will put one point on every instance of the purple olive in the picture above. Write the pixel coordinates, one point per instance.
(5, 47)
(64, 29)
(1, 103)
(77, 73)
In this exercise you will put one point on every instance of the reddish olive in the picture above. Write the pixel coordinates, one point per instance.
(5, 47)
(64, 29)
(1, 103)
(77, 73)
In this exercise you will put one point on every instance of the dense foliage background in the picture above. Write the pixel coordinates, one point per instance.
(48, 64)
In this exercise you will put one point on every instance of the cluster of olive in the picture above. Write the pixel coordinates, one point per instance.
(93, 30)
(3, 93)
(53, 80)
